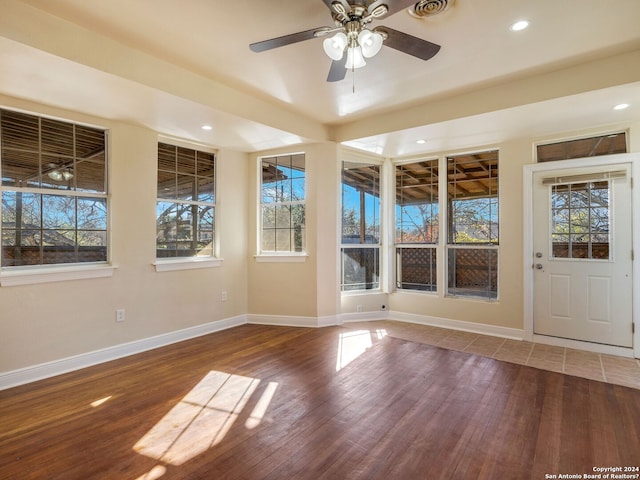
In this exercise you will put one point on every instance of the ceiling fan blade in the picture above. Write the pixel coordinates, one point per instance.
(285, 40)
(344, 3)
(337, 71)
(408, 43)
(393, 6)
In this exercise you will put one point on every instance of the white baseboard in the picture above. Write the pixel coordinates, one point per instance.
(288, 321)
(504, 332)
(479, 328)
(363, 317)
(329, 321)
(69, 364)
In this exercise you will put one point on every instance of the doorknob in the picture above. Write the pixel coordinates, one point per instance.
(538, 266)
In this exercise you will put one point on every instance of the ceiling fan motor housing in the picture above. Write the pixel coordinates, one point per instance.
(429, 8)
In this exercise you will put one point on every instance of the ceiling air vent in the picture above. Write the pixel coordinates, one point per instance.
(429, 8)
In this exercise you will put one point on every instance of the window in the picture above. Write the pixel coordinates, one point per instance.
(360, 250)
(282, 198)
(472, 243)
(54, 191)
(583, 147)
(416, 221)
(580, 220)
(185, 209)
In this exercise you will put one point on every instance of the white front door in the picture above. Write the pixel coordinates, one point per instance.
(582, 256)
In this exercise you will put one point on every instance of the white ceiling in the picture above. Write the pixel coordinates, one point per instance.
(210, 38)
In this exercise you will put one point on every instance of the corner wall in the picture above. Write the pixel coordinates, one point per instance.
(305, 291)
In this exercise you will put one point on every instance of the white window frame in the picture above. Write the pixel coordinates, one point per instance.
(193, 262)
(569, 139)
(60, 272)
(381, 246)
(432, 246)
(450, 247)
(268, 256)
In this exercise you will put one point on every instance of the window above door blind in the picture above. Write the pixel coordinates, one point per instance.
(582, 147)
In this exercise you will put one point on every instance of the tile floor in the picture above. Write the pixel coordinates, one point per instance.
(579, 363)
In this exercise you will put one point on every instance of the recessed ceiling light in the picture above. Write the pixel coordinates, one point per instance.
(519, 25)
(621, 106)
(421, 141)
(207, 127)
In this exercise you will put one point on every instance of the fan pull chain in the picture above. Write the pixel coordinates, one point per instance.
(353, 80)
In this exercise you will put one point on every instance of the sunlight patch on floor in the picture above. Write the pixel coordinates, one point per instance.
(97, 403)
(200, 420)
(353, 344)
(261, 407)
(154, 474)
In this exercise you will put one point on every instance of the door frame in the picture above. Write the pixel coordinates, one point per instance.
(633, 159)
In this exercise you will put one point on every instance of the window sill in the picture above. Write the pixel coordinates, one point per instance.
(56, 273)
(355, 293)
(281, 258)
(409, 291)
(187, 264)
(473, 298)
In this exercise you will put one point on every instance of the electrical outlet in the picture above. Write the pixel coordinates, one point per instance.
(223, 296)
(358, 308)
(120, 315)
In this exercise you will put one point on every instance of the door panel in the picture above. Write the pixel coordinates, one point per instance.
(582, 255)
(599, 299)
(559, 292)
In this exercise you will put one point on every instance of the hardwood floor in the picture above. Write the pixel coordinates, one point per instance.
(260, 402)
(594, 366)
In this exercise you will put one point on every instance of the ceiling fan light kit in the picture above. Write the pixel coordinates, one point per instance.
(334, 46)
(358, 45)
(355, 58)
(352, 36)
(370, 42)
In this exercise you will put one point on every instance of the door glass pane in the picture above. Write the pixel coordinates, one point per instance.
(580, 219)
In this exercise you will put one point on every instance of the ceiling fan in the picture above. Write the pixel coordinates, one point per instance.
(353, 40)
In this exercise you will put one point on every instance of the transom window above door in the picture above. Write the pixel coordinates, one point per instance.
(583, 147)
